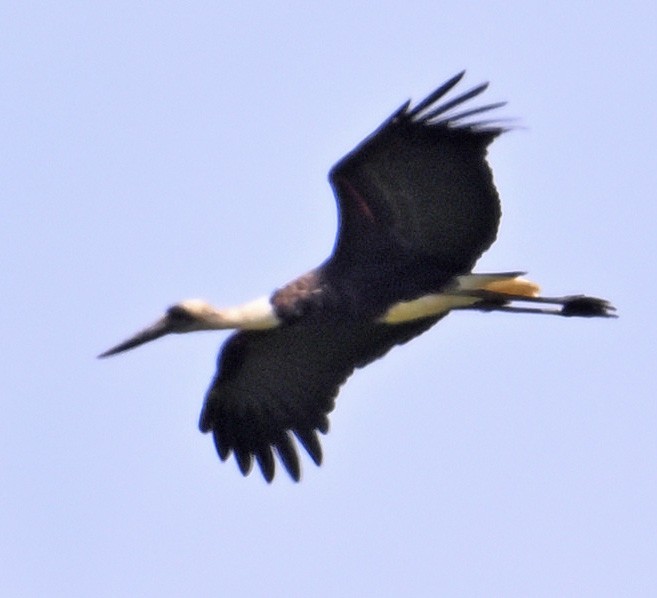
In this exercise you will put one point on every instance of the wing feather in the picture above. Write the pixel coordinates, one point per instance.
(419, 189)
(464, 97)
(275, 384)
(437, 94)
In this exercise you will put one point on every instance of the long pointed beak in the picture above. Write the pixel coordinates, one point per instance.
(160, 328)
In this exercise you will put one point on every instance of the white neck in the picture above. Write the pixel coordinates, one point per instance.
(254, 315)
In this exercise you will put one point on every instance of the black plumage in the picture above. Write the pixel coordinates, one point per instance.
(417, 208)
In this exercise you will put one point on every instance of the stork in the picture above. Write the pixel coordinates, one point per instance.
(417, 207)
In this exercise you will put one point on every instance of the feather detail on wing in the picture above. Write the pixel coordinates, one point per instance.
(276, 385)
(419, 187)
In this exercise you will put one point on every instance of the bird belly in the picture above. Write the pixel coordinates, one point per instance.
(425, 307)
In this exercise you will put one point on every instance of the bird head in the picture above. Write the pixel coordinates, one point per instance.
(186, 316)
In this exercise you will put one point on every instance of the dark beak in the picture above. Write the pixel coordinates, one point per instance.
(160, 328)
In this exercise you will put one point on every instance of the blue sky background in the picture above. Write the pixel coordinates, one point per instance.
(157, 151)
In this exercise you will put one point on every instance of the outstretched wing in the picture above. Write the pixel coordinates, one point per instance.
(419, 188)
(275, 384)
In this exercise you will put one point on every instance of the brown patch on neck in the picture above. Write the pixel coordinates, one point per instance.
(295, 299)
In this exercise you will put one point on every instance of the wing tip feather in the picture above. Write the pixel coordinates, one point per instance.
(426, 112)
(435, 95)
(288, 456)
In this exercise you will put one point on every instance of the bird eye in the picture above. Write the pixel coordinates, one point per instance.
(177, 312)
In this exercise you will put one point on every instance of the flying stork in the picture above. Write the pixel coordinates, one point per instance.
(417, 207)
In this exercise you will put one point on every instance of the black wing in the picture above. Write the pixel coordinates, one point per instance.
(419, 188)
(273, 384)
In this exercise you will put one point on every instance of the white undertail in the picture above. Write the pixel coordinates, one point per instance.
(456, 297)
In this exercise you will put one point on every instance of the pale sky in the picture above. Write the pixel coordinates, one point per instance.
(159, 151)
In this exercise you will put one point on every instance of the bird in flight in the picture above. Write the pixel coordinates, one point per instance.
(417, 207)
